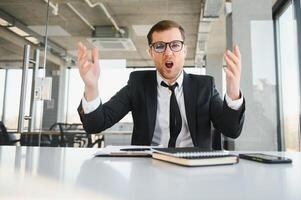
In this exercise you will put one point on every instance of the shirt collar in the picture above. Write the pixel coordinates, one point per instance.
(160, 79)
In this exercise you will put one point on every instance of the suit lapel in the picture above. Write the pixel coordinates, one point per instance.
(151, 101)
(190, 104)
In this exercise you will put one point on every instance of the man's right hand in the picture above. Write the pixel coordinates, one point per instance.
(89, 70)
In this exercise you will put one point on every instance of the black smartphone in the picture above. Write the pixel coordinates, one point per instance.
(265, 158)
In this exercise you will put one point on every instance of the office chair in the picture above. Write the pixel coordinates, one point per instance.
(72, 135)
(25, 140)
(35, 140)
(220, 142)
(5, 138)
(60, 140)
(216, 140)
(81, 138)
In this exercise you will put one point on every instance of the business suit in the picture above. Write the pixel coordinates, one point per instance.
(202, 103)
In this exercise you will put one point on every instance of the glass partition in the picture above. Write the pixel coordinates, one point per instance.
(289, 80)
(2, 89)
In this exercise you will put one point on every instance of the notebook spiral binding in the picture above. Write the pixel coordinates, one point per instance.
(201, 154)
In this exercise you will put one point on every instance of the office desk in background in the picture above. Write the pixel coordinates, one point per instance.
(43, 172)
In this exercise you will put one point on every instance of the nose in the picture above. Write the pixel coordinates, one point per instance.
(168, 51)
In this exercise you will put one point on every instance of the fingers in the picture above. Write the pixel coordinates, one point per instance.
(233, 72)
(233, 61)
(85, 63)
(80, 50)
(237, 52)
(231, 65)
(85, 67)
(94, 55)
(82, 59)
(81, 54)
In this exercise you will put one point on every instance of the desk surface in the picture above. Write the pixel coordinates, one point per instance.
(43, 172)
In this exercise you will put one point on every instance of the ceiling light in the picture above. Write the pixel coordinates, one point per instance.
(32, 40)
(18, 31)
(4, 22)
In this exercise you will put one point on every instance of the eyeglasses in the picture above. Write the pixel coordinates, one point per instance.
(160, 47)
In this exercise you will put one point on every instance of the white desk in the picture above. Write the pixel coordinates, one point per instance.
(69, 173)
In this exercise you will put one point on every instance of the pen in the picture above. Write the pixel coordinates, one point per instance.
(135, 149)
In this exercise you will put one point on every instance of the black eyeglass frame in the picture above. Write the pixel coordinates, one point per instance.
(167, 43)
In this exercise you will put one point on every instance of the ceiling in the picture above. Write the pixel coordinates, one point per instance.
(76, 19)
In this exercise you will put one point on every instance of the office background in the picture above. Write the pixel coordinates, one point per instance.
(265, 30)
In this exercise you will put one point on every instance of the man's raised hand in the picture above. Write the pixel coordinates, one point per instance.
(89, 70)
(233, 72)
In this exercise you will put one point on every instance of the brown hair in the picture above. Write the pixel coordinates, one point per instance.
(163, 26)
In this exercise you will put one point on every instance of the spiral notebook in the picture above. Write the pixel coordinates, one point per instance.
(193, 156)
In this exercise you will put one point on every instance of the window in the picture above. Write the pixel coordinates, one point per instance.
(288, 76)
(113, 76)
(2, 85)
(13, 92)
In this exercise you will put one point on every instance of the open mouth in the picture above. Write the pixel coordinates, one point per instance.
(169, 64)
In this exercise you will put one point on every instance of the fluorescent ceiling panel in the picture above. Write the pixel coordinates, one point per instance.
(113, 44)
(18, 31)
(33, 40)
(4, 22)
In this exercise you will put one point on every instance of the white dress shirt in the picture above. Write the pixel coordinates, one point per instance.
(161, 132)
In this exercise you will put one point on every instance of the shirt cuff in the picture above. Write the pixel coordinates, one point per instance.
(234, 104)
(90, 106)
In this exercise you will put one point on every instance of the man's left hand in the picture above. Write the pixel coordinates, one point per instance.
(233, 71)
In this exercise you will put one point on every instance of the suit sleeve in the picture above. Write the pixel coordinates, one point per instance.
(225, 119)
(109, 113)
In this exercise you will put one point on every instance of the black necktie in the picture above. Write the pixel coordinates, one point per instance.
(175, 119)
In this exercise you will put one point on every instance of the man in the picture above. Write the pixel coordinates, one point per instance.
(169, 107)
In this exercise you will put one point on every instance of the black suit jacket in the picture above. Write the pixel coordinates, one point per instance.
(202, 103)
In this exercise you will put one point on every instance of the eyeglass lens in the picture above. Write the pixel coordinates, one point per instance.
(175, 46)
